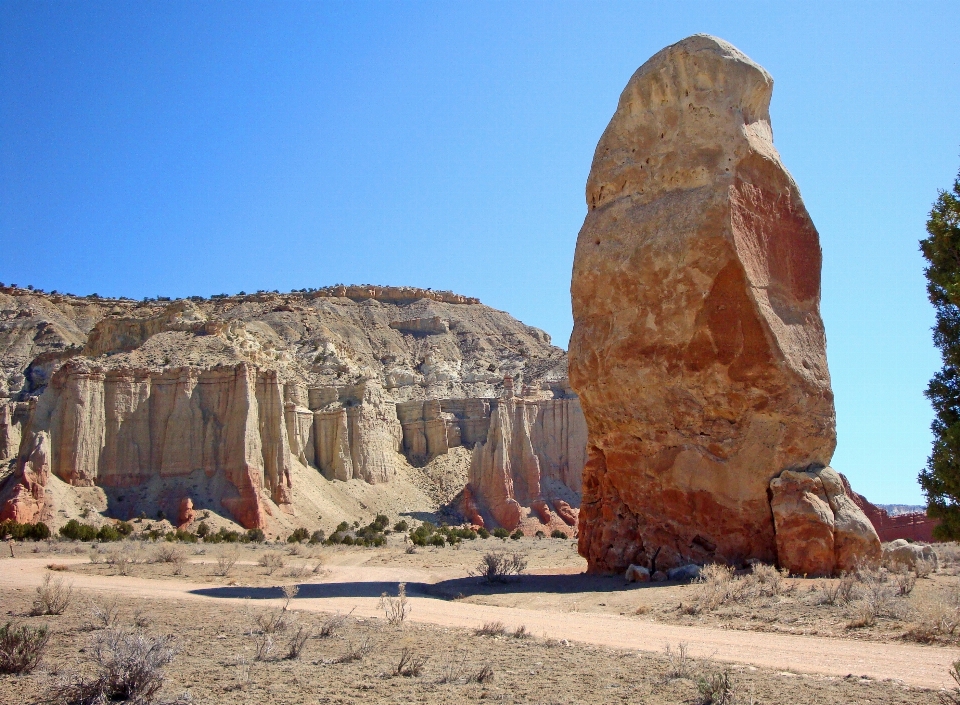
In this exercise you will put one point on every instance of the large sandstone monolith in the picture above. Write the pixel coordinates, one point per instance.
(698, 350)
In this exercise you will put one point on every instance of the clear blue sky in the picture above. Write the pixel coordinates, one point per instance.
(171, 148)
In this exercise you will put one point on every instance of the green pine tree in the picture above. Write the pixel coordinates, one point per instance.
(941, 479)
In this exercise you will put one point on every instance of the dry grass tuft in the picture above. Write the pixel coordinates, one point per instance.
(490, 629)
(356, 651)
(936, 618)
(718, 585)
(410, 664)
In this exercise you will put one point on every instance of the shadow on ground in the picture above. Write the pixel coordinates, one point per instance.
(444, 590)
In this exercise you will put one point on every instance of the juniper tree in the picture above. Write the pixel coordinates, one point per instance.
(941, 478)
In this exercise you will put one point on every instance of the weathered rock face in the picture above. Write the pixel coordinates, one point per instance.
(122, 428)
(222, 402)
(698, 351)
(23, 499)
(532, 451)
(819, 529)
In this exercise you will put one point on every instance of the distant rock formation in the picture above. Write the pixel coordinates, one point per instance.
(913, 525)
(518, 444)
(216, 404)
(531, 460)
(698, 351)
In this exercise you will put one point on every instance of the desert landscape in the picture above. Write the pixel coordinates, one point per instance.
(581, 638)
(365, 493)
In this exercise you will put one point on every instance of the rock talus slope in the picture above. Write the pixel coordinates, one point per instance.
(698, 350)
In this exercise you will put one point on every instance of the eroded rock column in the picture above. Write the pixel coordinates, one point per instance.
(698, 351)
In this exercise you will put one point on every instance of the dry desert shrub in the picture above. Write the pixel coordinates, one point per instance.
(410, 664)
(297, 641)
(395, 609)
(121, 560)
(263, 645)
(272, 622)
(678, 662)
(521, 632)
(767, 581)
(355, 651)
(484, 675)
(717, 689)
(332, 624)
(169, 553)
(298, 571)
(952, 697)
(289, 592)
(837, 593)
(104, 613)
(936, 618)
(905, 581)
(949, 555)
(719, 585)
(875, 597)
(454, 667)
(96, 556)
(271, 561)
(499, 567)
(53, 596)
(225, 563)
(490, 629)
(129, 668)
(21, 647)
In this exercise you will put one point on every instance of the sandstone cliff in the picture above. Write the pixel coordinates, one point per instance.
(220, 404)
(698, 350)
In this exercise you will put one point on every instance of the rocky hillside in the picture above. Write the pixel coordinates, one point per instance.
(251, 406)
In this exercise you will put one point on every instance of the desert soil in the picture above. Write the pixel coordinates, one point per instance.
(594, 639)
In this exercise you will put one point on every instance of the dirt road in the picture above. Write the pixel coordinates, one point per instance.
(913, 665)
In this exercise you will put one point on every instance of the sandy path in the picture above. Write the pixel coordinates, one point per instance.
(912, 664)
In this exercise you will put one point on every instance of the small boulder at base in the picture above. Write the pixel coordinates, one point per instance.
(637, 574)
(684, 573)
(819, 530)
(903, 555)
